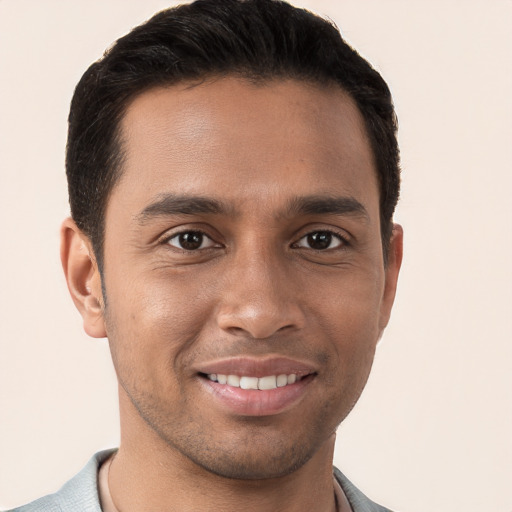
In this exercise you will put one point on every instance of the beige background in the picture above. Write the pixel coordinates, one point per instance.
(432, 431)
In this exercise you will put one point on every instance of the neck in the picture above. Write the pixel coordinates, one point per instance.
(147, 474)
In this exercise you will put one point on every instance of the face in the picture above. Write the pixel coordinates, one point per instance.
(244, 277)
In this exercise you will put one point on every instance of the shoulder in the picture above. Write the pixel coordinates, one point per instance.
(358, 501)
(80, 494)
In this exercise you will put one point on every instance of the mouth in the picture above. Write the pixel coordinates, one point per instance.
(255, 387)
(261, 383)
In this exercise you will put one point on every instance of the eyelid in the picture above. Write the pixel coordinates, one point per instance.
(170, 234)
(205, 240)
(342, 235)
(340, 241)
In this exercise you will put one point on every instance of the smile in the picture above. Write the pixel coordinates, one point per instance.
(256, 396)
(252, 386)
(261, 383)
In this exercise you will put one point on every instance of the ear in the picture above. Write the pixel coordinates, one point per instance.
(83, 277)
(391, 274)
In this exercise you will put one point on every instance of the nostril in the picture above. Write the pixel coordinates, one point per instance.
(259, 317)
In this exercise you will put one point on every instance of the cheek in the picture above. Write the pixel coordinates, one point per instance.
(151, 326)
(351, 307)
(349, 317)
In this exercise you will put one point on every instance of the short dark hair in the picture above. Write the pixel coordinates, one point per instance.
(256, 39)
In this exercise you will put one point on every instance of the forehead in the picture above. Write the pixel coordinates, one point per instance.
(242, 141)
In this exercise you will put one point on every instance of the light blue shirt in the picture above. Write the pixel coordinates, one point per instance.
(80, 494)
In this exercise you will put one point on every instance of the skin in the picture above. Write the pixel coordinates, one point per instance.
(258, 286)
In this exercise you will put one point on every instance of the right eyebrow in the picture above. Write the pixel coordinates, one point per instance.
(171, 204)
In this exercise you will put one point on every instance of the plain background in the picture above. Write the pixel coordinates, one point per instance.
(432, 431)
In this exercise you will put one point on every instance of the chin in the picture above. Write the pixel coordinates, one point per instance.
(250, 466)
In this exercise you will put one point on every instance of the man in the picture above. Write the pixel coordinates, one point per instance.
(233, 172)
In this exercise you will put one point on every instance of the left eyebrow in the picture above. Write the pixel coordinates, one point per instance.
(327, 205)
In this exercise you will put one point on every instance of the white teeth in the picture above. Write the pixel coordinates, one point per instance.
(262, 383)
(249, 382)
(269, 382)
(234, 380)
(282, 380)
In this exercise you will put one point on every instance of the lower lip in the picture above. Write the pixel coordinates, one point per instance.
(253, 402)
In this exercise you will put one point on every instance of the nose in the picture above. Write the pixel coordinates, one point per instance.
(260, 298)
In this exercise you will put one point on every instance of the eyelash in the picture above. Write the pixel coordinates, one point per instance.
(168, 239)
(343, 240)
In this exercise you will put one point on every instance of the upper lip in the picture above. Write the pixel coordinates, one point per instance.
(257, 367)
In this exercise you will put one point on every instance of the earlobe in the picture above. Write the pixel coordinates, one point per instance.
(391, 274)
(83, 277)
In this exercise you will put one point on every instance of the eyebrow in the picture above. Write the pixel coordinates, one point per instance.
(327, 205)
(171, 204)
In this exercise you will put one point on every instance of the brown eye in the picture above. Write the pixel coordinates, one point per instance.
(191, 241)
(320, 241)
